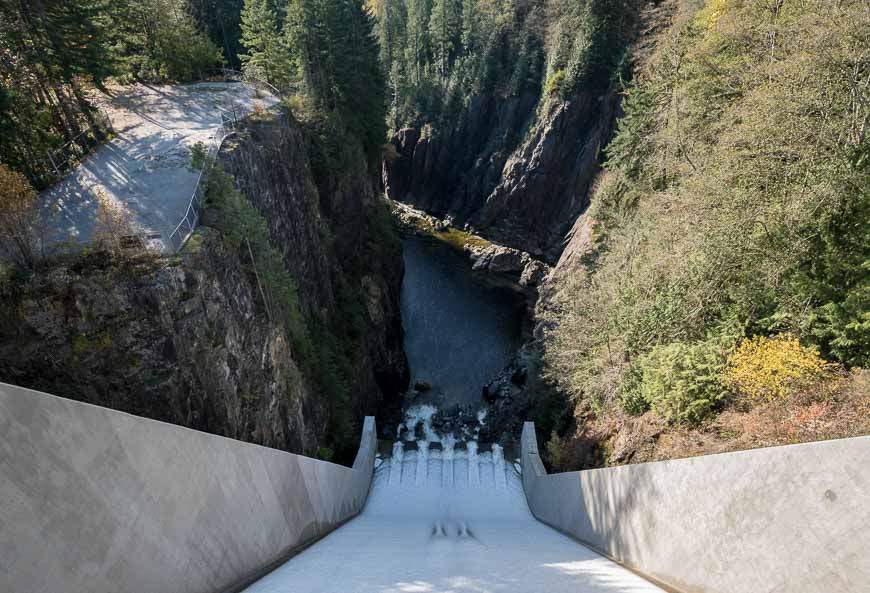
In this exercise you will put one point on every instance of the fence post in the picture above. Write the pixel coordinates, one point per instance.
(53, 164)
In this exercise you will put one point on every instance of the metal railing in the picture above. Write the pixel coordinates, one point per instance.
(58, 161)
(239, 76)
(229, 122)
(182, 232)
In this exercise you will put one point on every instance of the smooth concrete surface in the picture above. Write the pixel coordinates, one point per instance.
(792, 519)
(448, 521)
(98, 501)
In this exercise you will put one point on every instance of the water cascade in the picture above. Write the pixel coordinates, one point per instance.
(448, 519)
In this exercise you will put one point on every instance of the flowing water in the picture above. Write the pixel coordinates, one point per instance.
(458, 332)
(447, 514)
(445, 520)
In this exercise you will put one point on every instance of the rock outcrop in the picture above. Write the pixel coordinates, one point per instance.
(183, 341)
(510, 171)
(327, 228)
(187, 339)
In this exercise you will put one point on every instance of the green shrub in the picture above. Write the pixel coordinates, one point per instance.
(630, 394)
(679, 381)
(554, 83)
(325, 453)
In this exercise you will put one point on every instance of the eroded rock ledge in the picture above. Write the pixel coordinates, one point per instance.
(512, 172)
(498, 265)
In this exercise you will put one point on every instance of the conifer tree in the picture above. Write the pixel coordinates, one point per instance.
(445, 32)
(338, 56)
(267, 56)
(418, 42)
(221, 20)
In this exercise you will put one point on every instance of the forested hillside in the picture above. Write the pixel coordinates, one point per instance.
(716, 284)
(438, 53)
(729, 265)
(500, 109)
(697, 172)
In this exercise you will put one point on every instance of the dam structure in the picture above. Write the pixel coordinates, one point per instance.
(446, 520)
(98, 501)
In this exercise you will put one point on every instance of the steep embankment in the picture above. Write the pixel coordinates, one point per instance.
(715, 295)
(711, 282)
(511, 174)
(337, 243)
(190, 339)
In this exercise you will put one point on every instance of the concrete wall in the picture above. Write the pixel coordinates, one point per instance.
(792, 519)
(98, 501)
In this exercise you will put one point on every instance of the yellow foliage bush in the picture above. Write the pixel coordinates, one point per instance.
(713, 12)
(774, 368)
(554, 83)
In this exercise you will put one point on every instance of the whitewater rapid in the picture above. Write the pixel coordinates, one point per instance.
(448, 518)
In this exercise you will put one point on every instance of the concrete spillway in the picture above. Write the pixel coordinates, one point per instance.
(448, 521)
(97, 501)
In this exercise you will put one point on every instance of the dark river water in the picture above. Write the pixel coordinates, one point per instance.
(458, 332)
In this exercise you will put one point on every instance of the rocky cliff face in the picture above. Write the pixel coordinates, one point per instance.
(187, 339)
(513, 172)
(183, 341)
(327, 226)
(519, 175)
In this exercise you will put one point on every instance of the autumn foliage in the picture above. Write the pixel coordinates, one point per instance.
(768, 369)
(19, 219)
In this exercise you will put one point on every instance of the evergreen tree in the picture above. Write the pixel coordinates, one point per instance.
(445, 32)
(338, 55)
(391, 26)
(47, 47)
(221, 19)
(267, 56)
(159, 40)
(469, 26)
(418, 42)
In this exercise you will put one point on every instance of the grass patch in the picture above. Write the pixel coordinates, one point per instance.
(455, 238)
(86, 343)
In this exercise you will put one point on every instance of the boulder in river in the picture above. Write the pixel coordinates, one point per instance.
(422, 386)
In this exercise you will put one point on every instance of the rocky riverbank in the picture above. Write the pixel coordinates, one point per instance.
(494, 264)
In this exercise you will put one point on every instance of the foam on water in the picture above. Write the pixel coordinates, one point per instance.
(421, 414)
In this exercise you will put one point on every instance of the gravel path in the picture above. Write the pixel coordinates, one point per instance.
(144, 168)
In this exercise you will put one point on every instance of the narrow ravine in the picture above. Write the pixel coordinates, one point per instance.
(459, 333)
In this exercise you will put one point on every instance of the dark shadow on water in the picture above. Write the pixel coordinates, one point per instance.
(459, 332)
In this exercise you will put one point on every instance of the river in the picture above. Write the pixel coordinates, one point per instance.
(459, 332)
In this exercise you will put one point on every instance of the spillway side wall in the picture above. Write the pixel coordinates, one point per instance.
(793, 519)
(97, 501)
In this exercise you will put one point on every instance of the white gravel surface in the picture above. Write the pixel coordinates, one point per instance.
(145, 167)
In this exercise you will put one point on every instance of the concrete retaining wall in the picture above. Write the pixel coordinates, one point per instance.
(98, 501)
(792, 519)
